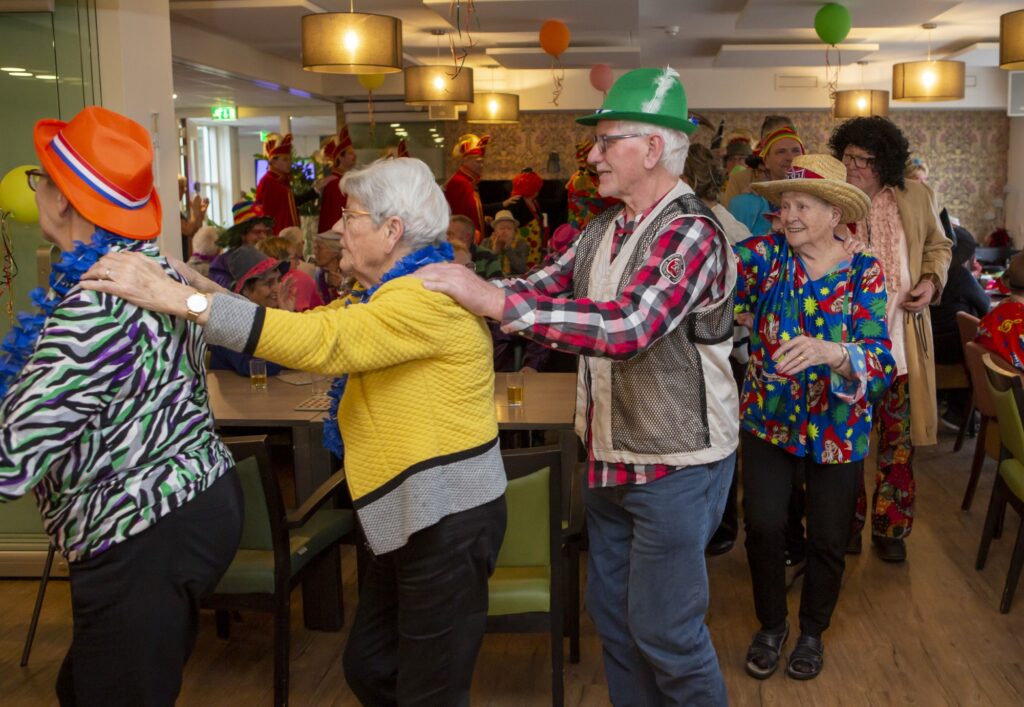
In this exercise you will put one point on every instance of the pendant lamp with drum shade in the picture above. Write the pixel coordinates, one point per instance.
(351, 43)
(494, 109)
(861, 102)
(928, 81)
(1011, 41)
(438, 84)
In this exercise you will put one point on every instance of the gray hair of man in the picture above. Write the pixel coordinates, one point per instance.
(403, 187)
(677, 144)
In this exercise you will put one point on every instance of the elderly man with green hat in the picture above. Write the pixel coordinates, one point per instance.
(645, 296)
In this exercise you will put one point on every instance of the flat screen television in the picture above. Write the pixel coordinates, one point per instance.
(307, 166)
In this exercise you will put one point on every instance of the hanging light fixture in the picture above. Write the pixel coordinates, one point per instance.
(861, 102)
(351, 43)
(1011, 40)
(438, 84)
(494, 109)
(928, 80)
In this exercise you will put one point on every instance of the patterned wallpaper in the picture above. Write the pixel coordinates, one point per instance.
(966, 151)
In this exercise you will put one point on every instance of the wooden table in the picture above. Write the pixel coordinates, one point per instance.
(549, 404)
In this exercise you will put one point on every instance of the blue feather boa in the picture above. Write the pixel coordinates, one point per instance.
(20, 342)
(405, 266)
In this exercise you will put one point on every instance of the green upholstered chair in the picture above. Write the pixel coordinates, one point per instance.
(525, 590)
(277, 549)
(1007, 398)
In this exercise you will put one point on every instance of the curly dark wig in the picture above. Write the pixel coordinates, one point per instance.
(881, 138)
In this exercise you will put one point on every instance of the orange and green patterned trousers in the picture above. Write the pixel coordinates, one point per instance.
(892, 514)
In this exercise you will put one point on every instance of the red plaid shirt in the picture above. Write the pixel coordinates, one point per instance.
(540, 306)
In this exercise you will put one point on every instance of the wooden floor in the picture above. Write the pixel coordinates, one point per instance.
(926, 632)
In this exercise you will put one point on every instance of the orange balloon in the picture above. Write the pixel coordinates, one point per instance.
(554, 37)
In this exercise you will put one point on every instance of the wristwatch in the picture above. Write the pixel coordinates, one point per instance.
(196, 304)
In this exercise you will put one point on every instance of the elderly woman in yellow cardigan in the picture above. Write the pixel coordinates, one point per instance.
(416, 418)
(903, 231)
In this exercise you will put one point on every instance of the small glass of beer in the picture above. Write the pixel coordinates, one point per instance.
(514, 387)
(258, 374)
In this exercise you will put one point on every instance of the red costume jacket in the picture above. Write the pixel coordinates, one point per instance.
(275, 193)
(464, 199)
(332, 201)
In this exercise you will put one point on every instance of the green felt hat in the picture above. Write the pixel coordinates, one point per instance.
(648, 96)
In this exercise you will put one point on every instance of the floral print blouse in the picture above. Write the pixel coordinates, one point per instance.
(816, 413)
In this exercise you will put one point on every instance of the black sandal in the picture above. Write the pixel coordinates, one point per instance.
(763, 654)
(806, 659)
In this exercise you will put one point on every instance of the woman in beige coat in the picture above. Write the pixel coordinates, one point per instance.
(903, 231)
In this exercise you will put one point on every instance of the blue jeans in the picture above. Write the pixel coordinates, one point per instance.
(647, 588)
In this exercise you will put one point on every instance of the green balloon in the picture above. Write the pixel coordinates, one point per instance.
(832, 23)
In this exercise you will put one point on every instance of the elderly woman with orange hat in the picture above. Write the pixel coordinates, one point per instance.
(819, 357)
(104, 415)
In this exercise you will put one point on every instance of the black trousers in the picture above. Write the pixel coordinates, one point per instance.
(831, 498)
(422, 613)
(136, 605)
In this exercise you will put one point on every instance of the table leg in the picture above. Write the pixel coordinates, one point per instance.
(321, 587)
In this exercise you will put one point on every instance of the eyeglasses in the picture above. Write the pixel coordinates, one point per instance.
(602, 141)
(348, 214)
(35, 178)
(858, 161)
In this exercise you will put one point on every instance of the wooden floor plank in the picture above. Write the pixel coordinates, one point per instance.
(927, 632)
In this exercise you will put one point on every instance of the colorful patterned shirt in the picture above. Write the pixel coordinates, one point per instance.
(816, 413)
(1001, 331)
(109, 422)
(647, 309)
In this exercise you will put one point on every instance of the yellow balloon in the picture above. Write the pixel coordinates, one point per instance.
(16, 198)
(371, 82)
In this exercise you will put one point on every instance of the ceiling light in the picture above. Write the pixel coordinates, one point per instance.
(494, 108)
(351, 43)
(174, 96)
(434, 85)
(1011, 40)
(861, 102)
(396, 125)
(11, 68)
(19, 73)
(49, 77)
(928, 80)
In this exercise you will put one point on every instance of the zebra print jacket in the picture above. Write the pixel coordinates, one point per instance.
(109, 422)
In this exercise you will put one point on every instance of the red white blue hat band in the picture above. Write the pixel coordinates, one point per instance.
(96, 181)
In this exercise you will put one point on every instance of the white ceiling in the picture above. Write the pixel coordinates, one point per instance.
(687, 34)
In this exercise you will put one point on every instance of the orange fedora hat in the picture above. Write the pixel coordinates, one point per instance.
(103, 164)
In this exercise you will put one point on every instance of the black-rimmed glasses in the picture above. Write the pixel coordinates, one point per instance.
(858, 161)
(35, 178)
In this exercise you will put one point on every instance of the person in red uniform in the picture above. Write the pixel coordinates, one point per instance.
(338, 152)
(274, 191)
(461, 190)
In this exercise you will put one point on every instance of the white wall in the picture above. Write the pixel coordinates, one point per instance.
(142, 90)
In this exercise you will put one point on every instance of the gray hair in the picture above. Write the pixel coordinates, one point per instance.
(204, 241)
(677, 144)
(403, 187)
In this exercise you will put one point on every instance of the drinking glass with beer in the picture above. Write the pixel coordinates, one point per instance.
(514, 388)
(258, 374)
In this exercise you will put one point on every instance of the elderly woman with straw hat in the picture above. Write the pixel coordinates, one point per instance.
(819, 356)
(105, 417)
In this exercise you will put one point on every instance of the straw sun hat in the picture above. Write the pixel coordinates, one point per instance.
(822, 176)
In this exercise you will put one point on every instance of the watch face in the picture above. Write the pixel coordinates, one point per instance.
(197, 303)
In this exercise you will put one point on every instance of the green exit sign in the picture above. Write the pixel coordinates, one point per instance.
(223, 112)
